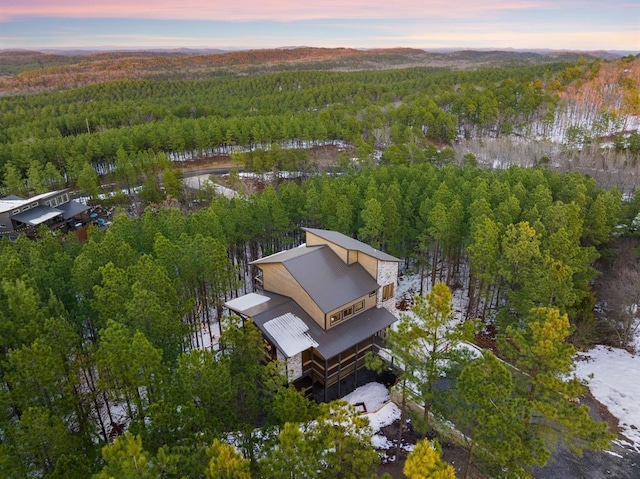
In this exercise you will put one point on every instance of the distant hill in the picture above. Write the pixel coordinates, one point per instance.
(23, 71)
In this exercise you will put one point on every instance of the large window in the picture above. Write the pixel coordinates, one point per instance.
(346, 312)
(387, 292)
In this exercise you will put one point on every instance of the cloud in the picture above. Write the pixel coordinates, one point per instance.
(592, 40)
(252, 10)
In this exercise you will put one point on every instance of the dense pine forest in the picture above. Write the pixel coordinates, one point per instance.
(104, 373)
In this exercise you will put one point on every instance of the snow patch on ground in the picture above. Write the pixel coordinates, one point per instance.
(381, 442)
(381, 412)
(202, 181)
(613, 377)
(385, 416)
(373, 395)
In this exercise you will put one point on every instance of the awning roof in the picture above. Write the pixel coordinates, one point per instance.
(248, 301)
(72, 208)
(37, 215)
(290, 333)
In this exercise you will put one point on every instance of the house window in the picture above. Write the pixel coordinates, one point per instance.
(25, 208)
(336, 318)
(15, 212)
(358, 306)
(54, 202)
(372, 293)
(387, 292)
(347, 312)
(3, 226)
(33, 205)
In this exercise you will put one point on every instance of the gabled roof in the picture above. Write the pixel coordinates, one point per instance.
(37, 215)
(324, 276)
(351, 244)
(329, 343)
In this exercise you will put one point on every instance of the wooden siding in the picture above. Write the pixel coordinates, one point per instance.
(369, 263)
(369, 302)
(314, 240)
(278, 280)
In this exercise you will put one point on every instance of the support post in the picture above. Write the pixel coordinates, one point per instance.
(326, 365)
(355, 371)
(339, 371)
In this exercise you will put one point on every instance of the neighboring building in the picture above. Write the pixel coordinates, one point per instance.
(53, 209)
(323, 306)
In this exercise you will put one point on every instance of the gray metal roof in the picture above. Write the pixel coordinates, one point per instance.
(37, 215)
(351, 244)
(291, 333)
(72, 208)
(353, 330)
(332, 342)
(282, 256)
(329, 281)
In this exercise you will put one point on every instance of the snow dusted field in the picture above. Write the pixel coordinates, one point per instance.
(613, 377)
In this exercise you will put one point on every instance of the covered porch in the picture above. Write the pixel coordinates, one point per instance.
(334, 359)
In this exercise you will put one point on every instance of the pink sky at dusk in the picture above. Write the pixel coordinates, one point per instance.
(277, 10)
(559, 24)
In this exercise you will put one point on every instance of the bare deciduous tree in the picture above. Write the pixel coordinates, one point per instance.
(619, 291)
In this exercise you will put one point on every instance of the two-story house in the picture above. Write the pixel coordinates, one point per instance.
(53, 209)
(322, 306)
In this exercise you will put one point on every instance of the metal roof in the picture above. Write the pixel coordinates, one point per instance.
(291, 334)
(332, 342)
(37, 215)
(329, 281)
(353, 331)
(71, 209)
(9, 203)
(246, 302)
(349, 243)
(282, 256)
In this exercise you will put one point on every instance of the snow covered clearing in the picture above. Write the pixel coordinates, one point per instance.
(613, 377)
